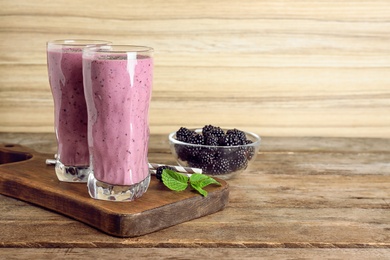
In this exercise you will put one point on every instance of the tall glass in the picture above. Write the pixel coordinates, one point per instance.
(118, 85)
(64, 62)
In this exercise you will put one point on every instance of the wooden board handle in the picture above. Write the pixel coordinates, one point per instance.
(10, 153)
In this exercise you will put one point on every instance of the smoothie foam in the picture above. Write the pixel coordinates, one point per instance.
(66, 81)
(118, 92)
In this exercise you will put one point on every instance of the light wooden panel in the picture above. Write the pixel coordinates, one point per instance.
(292, 68)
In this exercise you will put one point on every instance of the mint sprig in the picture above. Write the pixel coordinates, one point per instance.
(174, 180)
(179, 182)
(199, 181)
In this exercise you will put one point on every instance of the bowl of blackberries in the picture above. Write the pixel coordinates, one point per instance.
(219, 152)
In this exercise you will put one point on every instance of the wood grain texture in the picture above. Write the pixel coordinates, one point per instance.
(191, 253)
(303, 198)
(301, 68)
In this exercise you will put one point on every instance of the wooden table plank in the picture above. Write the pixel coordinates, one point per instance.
(195, 253)
(330, 193)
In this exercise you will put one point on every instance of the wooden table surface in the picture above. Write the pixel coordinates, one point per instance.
(302, 198)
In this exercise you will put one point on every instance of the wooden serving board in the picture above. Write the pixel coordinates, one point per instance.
(25, 176)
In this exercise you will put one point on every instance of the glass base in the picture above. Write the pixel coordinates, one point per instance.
(71, 173)
(104, 191)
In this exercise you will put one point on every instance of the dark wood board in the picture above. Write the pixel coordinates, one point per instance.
(25, 176)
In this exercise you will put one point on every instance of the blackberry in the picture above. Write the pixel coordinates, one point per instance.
(183, 134)
(211, 140)
(225, 153)
(159, 171)
(190, 152)
(206, 156)
(220, 167)
(196, 139)
(207, 128)
(240, 134)
(248, 142)
(239, 152)
(239, 159)
(229, 140)
(250, 150)
(210, 130)
(195, 164)
(239, 164)
(187, 152)
(181, 151)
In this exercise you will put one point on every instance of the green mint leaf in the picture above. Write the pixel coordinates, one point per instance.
(174, 180)
(199, 181)
(199, 189)
(202, 180)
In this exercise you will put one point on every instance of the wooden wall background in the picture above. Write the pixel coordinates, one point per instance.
(286, 68)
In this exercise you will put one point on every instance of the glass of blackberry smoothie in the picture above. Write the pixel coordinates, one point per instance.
(118, 85)
(64, 62)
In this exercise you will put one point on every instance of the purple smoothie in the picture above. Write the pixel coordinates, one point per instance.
(118, 92)
(66, 82)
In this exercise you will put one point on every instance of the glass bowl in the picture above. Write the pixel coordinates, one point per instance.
(224, 162)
